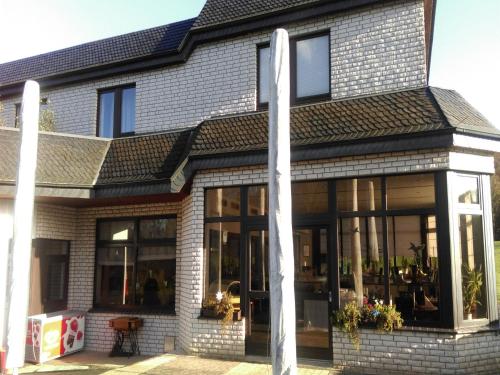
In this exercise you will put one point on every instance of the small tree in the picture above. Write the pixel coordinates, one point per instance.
(46, 121)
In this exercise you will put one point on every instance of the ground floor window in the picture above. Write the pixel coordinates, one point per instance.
(370, 239)
(136, 263)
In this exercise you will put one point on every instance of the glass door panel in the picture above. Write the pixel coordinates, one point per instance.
(258, 330)
(311, 291)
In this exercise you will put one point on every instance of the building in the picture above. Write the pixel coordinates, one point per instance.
(151, 193)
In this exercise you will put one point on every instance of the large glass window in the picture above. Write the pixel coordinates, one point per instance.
(310, 68)
(366, 192)
(414, 266)
(136, 263)
(222, 254)
(116, 112)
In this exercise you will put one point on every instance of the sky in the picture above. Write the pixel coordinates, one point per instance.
(465, 54)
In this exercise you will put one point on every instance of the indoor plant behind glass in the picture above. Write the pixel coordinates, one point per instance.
(471, 284)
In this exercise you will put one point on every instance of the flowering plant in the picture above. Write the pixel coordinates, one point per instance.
(351, 316)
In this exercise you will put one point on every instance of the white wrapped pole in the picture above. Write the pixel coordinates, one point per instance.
(281, 264)
(19, 286)
(372, 226)
(6, 217)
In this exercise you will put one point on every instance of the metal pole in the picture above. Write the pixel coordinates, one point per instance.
(18, 293)
(281, 260)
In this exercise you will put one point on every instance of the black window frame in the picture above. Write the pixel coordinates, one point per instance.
(117, 109)
(135, 243)
(294, 99)
(330, 218)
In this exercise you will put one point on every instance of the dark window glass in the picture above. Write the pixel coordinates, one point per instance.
(258, 203)
(361, 260)
(467, 187)
(158, 228)
(155, 283)
(222, 254)
(258, 246)
(473, 267)
(359, 194)
(133, 270)
(410, 191)
(413, 259)
(223, 202)
(116, 230)
(313, 66)
(310, 197)
(106, 114)
(17, 119)
(114, 270)
(116, 112)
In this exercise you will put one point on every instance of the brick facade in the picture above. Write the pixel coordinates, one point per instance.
(376, 49)
(418, 352)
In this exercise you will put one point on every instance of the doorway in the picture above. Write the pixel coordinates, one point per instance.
(311, 292)
(49, 276)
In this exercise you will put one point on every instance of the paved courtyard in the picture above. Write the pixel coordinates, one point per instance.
(92, 363)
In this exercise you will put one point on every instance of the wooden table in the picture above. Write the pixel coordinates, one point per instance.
(125, 327)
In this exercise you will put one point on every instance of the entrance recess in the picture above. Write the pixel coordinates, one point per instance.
(311, 292)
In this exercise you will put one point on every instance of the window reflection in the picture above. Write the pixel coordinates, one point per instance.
(115, 266)
(258, 247)
(467, 187)
(473, 267)
(310, 197)
(258, 203)
(413, 260)
(222, 254)
(313, 66)
(368, 194)
(361, 258)
(410, 191)
(223, 202)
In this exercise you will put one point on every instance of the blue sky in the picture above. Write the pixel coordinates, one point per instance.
(465, 57)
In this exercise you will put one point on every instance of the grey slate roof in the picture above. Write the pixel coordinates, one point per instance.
(217, 12)
(393, 114)
(145, 43)
(143, 158)
(74, 161)
(63, 160)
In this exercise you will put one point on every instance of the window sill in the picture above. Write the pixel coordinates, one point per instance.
(132, 311)
(493, 327)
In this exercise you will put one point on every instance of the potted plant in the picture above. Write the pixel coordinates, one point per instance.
(219, 307)
(472, 284)
(385, 318)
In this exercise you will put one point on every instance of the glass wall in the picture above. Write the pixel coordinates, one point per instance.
(388, 239)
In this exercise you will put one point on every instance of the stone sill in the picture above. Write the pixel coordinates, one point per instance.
(494, 327)
(110, 310)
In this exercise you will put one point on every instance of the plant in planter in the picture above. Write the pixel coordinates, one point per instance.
(384, 317)
(220, 308)
(472, 284)
(347, 320)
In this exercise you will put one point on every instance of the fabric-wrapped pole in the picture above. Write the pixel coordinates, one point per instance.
(281, 264)
(18, 293)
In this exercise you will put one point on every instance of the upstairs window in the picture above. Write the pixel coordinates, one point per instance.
(44, 105)
(309, 69)
(116, 116)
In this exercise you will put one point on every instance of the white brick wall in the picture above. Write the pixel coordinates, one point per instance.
(196, 335)
(417, 353)
(373, 50)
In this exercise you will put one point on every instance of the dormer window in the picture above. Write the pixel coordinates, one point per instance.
(116, 112)
(309, 69)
